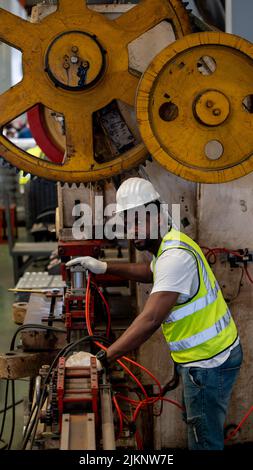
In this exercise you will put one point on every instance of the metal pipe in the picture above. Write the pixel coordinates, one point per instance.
(108, 435)
(78, 280)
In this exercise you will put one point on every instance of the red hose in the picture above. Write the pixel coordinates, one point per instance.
(87, 307)
(133, 377)
(152, 401)
(248, 274)
(108, 328)
(120, 415)
(233, 433)
(138, 440)
(87, 317)
(137, 403)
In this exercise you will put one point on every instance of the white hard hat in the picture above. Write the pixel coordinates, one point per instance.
(135, 192)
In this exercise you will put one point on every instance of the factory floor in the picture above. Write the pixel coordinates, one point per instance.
(7, 328)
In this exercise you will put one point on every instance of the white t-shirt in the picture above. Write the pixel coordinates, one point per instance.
(177, 271)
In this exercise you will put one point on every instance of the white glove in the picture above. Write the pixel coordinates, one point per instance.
(82, 359)
(92, 264)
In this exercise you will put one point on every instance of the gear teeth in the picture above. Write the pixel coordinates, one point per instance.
(191, 15)
(188, 10)
(5, 164)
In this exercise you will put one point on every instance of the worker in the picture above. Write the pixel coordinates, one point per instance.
(187, 302)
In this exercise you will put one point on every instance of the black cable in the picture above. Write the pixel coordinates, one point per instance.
(13, 414)
(28, 432)
(31, 325)
(10, 406)
(40, 404)
(64, 352)
(4, 446)
(13, 406)
(29, 420)
(239, 288)
(5, 409)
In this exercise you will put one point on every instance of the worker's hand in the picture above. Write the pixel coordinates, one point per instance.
(92, 264)
(82, 359)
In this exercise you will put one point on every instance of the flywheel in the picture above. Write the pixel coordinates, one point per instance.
(76, 63)
(195, 107)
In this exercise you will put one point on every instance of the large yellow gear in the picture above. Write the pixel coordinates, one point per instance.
(195, 107)
(75, 61)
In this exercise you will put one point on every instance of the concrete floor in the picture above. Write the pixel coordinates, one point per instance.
(7, 328)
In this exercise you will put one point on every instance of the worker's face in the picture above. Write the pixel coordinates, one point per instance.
(143, 229)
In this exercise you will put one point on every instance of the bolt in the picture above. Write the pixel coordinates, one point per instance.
(209, 104)
(74, 49)
(66, 65)
(74, 59)
(217, 112)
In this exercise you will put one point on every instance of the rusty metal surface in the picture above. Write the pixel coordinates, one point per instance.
(16, 364)
(78, 432)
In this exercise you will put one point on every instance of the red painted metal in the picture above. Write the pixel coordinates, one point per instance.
(39, 131)
(68, 396)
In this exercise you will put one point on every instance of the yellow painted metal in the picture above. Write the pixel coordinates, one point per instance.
(197, 121)
(70, 50)
(48, 69)
(212, 108)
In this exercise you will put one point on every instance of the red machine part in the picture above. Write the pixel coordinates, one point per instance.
(80, 248)
(87, 248)
(75, 317)
(67, 395)
(60, 385)
(42, 135)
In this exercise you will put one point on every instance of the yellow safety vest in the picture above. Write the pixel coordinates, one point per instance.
(36, 152)
(203, 326)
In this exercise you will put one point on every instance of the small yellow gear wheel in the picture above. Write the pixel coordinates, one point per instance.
(195, 107)
(75, 62)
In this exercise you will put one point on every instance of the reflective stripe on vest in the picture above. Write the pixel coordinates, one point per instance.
(200, 303)
(203, 336)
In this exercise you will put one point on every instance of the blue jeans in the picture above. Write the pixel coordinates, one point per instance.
(206, 395)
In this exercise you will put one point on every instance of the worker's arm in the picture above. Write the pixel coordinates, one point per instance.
(155, 311)
(139, 272)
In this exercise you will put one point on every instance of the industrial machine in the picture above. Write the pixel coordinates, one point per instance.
(107, 87)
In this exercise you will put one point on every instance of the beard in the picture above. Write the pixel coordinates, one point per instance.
(143, 245)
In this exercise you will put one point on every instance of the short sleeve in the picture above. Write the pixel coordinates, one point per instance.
(176, 270)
